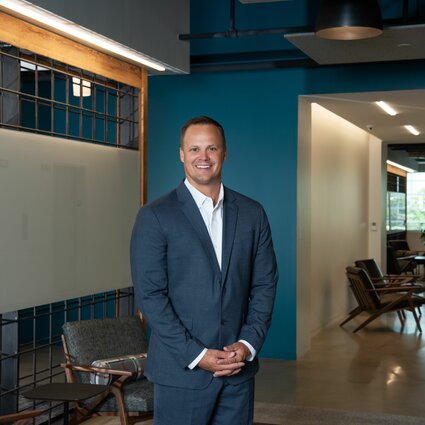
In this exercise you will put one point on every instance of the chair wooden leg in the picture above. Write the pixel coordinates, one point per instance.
(351, 315)
(82, 412)
(79, 414)
(386, 309)
(401, 316)
(367, 321)
(76, 417)
(20, 418)
(417, 320)
(120, 403)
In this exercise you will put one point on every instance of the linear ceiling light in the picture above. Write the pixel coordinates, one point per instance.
(45, 17)
(387, 108)
(402, 167)
(348, 19)
(412, 130)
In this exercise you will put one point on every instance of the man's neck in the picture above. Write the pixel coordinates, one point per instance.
(212, 191)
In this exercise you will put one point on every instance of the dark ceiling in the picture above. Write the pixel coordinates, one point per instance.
(237, 35)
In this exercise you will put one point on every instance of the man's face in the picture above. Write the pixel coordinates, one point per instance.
(203, 155)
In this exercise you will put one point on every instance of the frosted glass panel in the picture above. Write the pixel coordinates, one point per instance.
(66, 214)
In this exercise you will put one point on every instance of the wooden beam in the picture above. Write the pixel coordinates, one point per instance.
(143, 137)
(395, 170)
(25, 35)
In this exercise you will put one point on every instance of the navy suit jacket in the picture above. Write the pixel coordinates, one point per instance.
(189, 303)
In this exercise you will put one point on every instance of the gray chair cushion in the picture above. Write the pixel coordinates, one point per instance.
(90, 340)
(138, 397)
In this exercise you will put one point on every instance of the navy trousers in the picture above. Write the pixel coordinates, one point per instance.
(218, 404)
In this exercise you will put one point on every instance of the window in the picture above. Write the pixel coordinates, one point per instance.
(396, 203)
(416, 201)
(396, 212)
(45, 96)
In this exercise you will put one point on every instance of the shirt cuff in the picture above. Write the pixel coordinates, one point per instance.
(198, 359)
(251, 349)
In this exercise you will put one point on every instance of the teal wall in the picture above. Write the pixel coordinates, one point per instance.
(259, 113)
(261, 155)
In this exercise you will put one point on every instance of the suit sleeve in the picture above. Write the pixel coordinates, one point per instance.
(263, 288)
(148, 256)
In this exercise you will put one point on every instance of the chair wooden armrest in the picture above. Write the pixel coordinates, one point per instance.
(388, 283)
(20, 418)
(393, 277)
(410, 288)
(407, 257)
(93, 369)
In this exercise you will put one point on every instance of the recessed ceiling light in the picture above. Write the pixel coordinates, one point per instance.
(387, 108)
(412, 130)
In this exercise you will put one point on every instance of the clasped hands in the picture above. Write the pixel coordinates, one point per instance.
(226, 362)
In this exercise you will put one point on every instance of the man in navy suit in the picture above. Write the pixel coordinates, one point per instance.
(204, 273)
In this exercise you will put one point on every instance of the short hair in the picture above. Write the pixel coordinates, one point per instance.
(202, 120)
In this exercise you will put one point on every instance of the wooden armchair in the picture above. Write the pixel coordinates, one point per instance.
(402, 249)
(400, 265)
(117, 345)
(20, 418)
(380, 279)
(389, 280)
(377, 301)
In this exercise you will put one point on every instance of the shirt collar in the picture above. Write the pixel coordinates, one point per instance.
(200, 198)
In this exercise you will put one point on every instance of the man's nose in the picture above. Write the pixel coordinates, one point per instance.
(205, 154)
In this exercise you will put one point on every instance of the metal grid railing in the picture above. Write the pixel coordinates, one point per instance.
(31, 349)
(40, 95)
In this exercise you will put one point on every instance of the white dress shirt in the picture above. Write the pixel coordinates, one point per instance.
(213, 219)
(212, 216)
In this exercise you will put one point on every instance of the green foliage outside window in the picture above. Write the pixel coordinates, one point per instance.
(415, 201)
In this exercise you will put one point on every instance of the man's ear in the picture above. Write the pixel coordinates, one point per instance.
(181, 155)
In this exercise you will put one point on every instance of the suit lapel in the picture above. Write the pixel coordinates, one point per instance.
(230, 216)
(191, 211)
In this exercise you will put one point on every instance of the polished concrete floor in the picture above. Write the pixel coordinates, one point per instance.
(379, 369)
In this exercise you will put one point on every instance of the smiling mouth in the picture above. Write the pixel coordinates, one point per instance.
(203, 167)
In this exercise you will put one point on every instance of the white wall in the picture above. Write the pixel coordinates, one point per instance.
(339, 211)
(377, 200)
(148, 26)
(340, 196)
(304, 272)
(67, 211)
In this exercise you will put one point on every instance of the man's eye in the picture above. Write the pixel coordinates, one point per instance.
(213, 148)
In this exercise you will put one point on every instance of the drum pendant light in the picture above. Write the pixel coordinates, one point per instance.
(348, 19)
